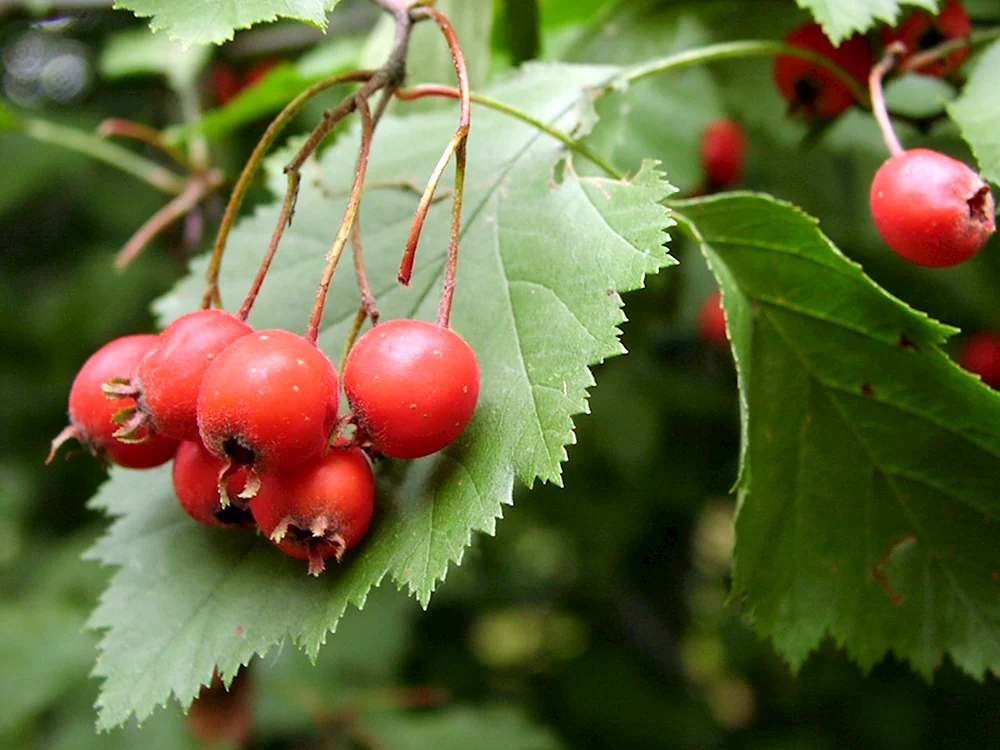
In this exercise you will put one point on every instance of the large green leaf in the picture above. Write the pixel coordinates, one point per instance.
(544, 251)
(976, 112)
(460, 728)
(137, 52)
(842, 18)
(870, 484)
(215, 21)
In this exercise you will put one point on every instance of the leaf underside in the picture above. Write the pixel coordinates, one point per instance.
(869, 496)
(842, 18)
(216, 21)
(544, 253)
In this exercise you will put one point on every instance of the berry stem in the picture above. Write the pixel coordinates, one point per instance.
(197, 189)
(883, 66)
(136, 131)
(364, 287)
(352, 335)
(926, 57)
(451, 267)
(350, 212)
(455, 146)
(250, 169)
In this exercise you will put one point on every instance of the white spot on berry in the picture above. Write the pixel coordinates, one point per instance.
(263, 337)
(413, 406)
(301, 361)
(465, 389)
(295, 388)
(436, 352)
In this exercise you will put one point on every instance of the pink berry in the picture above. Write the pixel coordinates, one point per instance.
(723, 149)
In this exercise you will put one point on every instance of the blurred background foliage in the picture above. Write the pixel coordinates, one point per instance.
(598, 616)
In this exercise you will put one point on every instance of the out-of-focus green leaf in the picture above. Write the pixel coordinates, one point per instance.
(8, 120)
(215, 21)
(977, 111)
(870, 479)
(460, 728)
(137, 52)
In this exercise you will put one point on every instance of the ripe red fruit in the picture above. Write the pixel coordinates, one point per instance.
(91, 413)
(319, 509)
(259, 70)
(226, 82)
(268, 402)
(812, 90)
(712, 319)
(931, 209)
(196, 484)
(412, 386)
(981, 354)
(920, 31)
(166, 381)
(723, 148)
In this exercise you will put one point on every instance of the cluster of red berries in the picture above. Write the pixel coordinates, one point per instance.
(250, 419)
(929, 208)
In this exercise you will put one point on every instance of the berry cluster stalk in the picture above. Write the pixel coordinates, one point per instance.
(883, 66)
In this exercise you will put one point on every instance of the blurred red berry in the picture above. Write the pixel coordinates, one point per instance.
(980, 354)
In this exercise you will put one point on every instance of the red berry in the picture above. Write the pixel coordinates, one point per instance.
(226, 83)
(812, 90)
(723, 147)
(269, 402)
(920, 31)
(259, 70)
(167, 380)
(981, 354)
(712, 319)
(196, 484)
(412, 386)
(931, 209)
(91, 413)
(319, 509)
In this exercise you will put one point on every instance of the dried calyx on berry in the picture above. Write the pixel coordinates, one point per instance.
(196, 485)
(812, 90)
(92, 416)
(921, 31)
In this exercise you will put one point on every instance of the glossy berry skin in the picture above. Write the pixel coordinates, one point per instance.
(812, 90)
(169, 377)
(931, 209)
(920, 31)
(412, 386)
(91, 412)
(712, 319)
(319, 509)
(269, 401)
(196, 485)
(723, 150)
(981, 354)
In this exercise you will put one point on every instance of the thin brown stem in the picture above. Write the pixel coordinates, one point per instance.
(193, 194)
(919, 60)
(364, 287)
(455, 145)
(284, 219)
(136, 131)
(352, 336)
(883, 66)
(250, 169)
(350, 212)
(451, 267)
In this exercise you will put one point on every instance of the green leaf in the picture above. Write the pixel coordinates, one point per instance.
(870, 484)
(544, 251)
(137, 52)
(842, 18)
(976, 112)
(8, 120)
(459, 728)
(215, 21)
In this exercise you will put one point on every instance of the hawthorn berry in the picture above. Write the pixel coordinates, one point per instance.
(196, 484)
(226, 82)
(723, 148)
(931, 209)
(920, 31)
(166, 381)
(267, 402)
(412, 386)
(319, 509)
(712, 319)
(811, 89)
(92, 414)
(981, 354)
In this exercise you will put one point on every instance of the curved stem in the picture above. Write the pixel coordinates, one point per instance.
(110, 153)
(883, 66)
(352, 335)
(250, 169)
(729, 50)
(350, 212)
(143, 133)
(195, 192)
(419, 92)
(361, 274)
(451, 266)
(922, 59)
